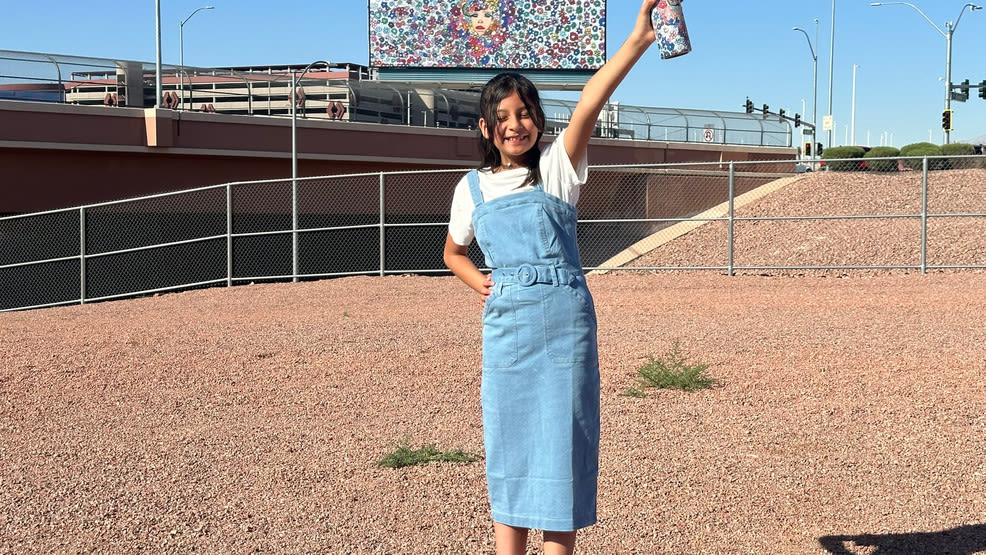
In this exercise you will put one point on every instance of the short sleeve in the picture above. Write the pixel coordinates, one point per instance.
(558, 176)
(460, 215)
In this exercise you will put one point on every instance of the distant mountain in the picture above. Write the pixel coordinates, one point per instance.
(980, 140)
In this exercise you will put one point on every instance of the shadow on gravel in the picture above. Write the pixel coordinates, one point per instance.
(963, 540)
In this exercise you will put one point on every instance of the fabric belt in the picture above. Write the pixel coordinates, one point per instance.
(529, 274)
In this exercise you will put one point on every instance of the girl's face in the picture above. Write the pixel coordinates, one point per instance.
(479, 21)
(514, 132)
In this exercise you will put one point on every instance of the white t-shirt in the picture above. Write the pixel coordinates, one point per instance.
(558, 178)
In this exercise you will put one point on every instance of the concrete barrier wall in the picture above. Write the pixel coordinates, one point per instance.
(57, 155)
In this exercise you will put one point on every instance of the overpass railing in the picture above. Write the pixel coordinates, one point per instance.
(346, 92)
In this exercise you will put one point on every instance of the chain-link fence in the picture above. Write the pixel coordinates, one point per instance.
(907, 213)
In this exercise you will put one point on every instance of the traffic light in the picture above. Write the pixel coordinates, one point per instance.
(982, 89)
(964, 89)
(780, 115)
(749, 106)
(797, 120)
(807, 149)
(946, 120)
(818, 149)
(766, 110)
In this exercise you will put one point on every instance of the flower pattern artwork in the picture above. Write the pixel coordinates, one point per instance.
(514, 34)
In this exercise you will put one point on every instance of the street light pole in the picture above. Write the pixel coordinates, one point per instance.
(831, 66)
(181, 52)
(947, 33)
(852, 111)
(814, 86)
(157, 66)
(294, 165)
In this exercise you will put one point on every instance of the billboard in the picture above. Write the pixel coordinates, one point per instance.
(488, 34)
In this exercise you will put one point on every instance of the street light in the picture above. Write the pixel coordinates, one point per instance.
(831, 66)
(157, 68)
(181, 52)
(814, 83)
(294, 165)
(947, 33)
(852, 117)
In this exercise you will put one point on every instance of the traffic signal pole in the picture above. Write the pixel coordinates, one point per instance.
(947, 33)
(947, 125)
(798, 122)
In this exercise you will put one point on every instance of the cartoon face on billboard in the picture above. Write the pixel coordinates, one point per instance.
(509, 34)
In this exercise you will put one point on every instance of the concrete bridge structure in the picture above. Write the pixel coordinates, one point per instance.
(61, 155)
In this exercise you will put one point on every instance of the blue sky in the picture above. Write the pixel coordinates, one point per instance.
(740, 49)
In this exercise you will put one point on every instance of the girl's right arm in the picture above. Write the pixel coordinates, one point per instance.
(457, 259)
(603, 83)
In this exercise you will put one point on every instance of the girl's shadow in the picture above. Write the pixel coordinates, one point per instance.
(963, 540)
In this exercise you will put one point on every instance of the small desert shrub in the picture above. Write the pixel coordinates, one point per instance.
(672, 371)
(405, 456)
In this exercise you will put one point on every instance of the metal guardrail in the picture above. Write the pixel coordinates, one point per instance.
(345, 92)
(395, 223)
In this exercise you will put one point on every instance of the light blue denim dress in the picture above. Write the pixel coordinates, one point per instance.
(540, 388)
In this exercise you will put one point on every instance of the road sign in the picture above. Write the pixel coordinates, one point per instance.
(827, 123)
(709, 135)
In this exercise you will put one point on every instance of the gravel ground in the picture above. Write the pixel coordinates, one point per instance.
(849, 415)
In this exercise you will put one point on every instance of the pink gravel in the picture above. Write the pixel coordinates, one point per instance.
(849, 417)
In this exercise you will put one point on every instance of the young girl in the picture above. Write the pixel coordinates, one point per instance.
(540, 385)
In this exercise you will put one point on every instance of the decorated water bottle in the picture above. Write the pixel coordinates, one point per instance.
(669, 26)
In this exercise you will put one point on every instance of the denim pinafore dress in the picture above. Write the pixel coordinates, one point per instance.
(540, 385)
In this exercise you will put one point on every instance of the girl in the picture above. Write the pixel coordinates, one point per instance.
(540, 385)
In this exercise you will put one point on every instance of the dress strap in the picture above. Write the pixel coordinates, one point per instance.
(477, 195)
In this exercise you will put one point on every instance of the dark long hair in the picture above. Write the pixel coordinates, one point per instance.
(498, 88)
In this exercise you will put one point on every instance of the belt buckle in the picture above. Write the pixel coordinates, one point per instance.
(527, 275)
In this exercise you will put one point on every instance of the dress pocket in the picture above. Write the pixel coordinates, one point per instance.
(499, 332)
(569, 324)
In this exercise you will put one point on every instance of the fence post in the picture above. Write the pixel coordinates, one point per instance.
(924, 216)
(383, 229)
(729, 231)
(294, 227)
(229, 235)
(82, 255)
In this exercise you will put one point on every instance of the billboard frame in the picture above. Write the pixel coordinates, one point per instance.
(473, 76)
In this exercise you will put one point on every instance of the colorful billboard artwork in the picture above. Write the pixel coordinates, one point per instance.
(516, 34)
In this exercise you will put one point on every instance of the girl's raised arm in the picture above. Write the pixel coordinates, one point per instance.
(601, 85)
